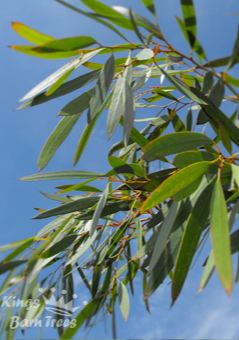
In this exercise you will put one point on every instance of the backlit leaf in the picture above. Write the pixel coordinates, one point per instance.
(30, 34)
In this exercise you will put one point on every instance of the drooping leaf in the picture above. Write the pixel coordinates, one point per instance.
(175, 183)
(30, 34)
(124, 300)
(191, 236)
(56, 138)
(189, 20)
(149, 4)
(234, 57)
(84, 314)
(98, 211)
(163, 235)
(102, 86)
(220, 237)
(116, 109)
(174, 143)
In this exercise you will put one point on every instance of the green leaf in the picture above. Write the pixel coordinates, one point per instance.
(129, 111)
(186, 158)
(15, 244)
(163, 235)
(175, 183)
(116, 109)
(58, 83)
(217, 117)
(68, 87)
(220, 237)
(207, 273)
(182, 87)
(108, 12)
(98, 210)
(94, 17)
(59, 246)
(56, 138)
(102, 86)
(135, 26)
(84, 314)
(145, 54)
(49, 81)
(77, 205)
(191, 237)
(5, 267)
(124, 300)
(30, 34)
(149, 4)
(66, 44)
(77, 105)
(84, 139)
(59, 175)
(174, 143)
(189, 20)
(234, 57)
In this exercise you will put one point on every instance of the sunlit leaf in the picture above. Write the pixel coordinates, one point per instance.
(175, 183)
(30, 34)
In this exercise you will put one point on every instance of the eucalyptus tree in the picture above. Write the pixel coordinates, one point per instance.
(173, 178)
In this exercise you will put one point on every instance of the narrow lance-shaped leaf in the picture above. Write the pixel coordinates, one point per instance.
(72, 65)
(102, 86)
(60, 175)
(234, 57)
(30, 34)
(124, 300)
(78, 104)
(55, 140)
(77, 205)
(220, 237)
(116, 109)
(98, 210)
(191, 236)
(175, 183)
(108, 12)
(182, 87)
(189, 20)
(66, 44)
(174, 143)
(163, 235)
(150, 5)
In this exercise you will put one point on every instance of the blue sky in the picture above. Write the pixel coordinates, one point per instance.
(207, 315)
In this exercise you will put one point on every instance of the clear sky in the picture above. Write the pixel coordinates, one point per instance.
(207, 315)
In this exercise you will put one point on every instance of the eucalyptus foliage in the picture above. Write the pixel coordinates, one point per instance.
(173, 178)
